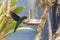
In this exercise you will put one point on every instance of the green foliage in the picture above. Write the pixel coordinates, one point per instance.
(2, 21)
(3, 10)
(0, 3)
(13, 3)
(18, 9)
(11, 24)
(1, 13)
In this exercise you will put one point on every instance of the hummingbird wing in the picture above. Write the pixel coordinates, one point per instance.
(14, 16)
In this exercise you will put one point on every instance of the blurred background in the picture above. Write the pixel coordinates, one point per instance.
(29, 34)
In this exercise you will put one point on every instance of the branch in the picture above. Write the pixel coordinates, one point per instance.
(3, 4)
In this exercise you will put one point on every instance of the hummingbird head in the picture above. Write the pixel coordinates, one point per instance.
(24, 17)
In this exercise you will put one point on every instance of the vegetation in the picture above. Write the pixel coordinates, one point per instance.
(7, 23)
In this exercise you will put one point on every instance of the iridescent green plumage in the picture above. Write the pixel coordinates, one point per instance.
(17, 18)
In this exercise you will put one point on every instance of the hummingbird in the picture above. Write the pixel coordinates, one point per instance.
(17, 19)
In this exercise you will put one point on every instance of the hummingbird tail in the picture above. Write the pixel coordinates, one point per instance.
(16, 27)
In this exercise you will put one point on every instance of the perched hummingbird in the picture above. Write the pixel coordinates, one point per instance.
(17, 18)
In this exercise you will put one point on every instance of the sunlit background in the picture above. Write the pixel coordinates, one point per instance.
(28, 34)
